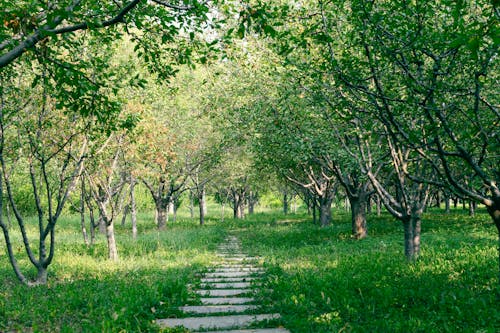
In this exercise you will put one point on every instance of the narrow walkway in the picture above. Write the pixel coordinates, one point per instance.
(227, 299)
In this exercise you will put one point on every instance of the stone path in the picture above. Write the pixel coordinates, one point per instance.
(227, 299)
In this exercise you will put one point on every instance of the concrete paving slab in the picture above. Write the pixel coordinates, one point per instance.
(228, 279)
(230, 274)
(256, 330)
(228, 308)
(227, 285)
(216, 322)
(237, 269)
(224, 292)
(226, 300)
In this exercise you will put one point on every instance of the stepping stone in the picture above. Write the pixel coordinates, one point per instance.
(227, 279)
(226, 300)
(230, 274)
(224, 292)
(217, 322)
(205, 309)
(228, 285)
(238, 269)
(241, 258)
(256, 330)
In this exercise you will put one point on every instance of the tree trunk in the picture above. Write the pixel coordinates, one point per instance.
(133, 208)
(82, 216)
(241, 209)
(201, 199)
(358, 216)
(102, 225)
(379, 206)
(325, 211)
(412, 229)
(41, 276)
(455, 202)
(204, 200)
(191, 204)
(472, 208)
(285, 203)
(92, 223)
(125, 213)
(236, 207)
(161, 214)
(494, 211)
(447, 204)
(223, 208)
(110, 237)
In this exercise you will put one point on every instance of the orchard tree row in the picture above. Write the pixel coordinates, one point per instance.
(390, 100)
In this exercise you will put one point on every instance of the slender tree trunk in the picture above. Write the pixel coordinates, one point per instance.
(125, 213)
(201, 199)
(379, 205)
(285, 203)
(102, 225)
(222, 211)
(82, 216)
(236, 207)
(241, 209)
(161, 214)
(455, 202)
(412, 230)
(325, 211)
(358, 216)
(472, 208)
(41, 276)
(447, 203)
(191, 204)
(9, 223)
(92, 224)
(133, 208)
(494, 212)
(110, 237)
(204, 201)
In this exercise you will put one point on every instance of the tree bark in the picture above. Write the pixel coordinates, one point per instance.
(110, 237)
(202, 206)
(325, 211)
(472, 208)
(447, 204)
(412, 229)
(82, 216)
(133, 208)
(41, 276)
(161, 214)
(285, 203)
(358, 216)
(494, 211)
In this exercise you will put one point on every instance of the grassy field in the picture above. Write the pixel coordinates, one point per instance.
(319, 279)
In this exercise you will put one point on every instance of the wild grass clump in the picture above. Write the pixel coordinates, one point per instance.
(321, 280)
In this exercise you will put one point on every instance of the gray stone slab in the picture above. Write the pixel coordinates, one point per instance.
(226, 300)
(238, 269)
(227, 285)
(228, 308)
(226, 279)
(256, 330)
(224, 292)
(230, 274)
(241, 259)
(216, 322)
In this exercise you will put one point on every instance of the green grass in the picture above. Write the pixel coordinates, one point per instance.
(319, 279)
